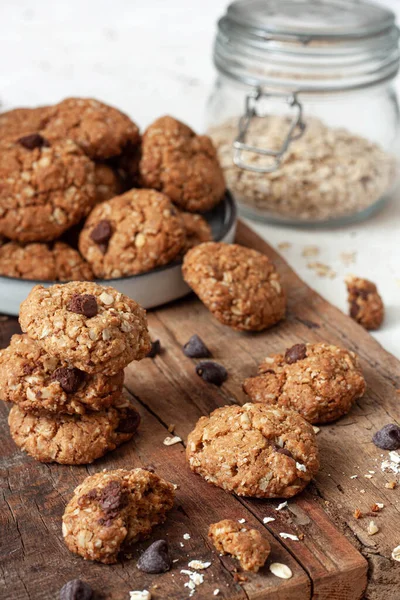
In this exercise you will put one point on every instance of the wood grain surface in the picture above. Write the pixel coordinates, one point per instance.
(332, 557)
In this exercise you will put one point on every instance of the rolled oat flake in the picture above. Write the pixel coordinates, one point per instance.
(292, 111)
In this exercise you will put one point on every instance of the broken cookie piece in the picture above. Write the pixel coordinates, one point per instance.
(247, 545)
(111, 510)
(366, 306)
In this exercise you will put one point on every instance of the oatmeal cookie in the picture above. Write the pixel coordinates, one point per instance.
(112, 510)
(366, 306)
(108, 183)
(131, 234)
(100, 130)
(23, 121)
(238, 285)
(45, 189)
(319, 381)
(43, 262)
(254, 450)
(247, 545)
(197, 230)
(73, 440)
(40, 383)
(97, 329)
(181, 164)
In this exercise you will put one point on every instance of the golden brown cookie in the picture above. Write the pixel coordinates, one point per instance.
(131, 234)
(238, 285)
(254, 450)
(320, 381)
(108, 183)
(247, 545)
(40, 383)
(181, 164)
(96, 329)
(45, 188)
(112, 510)
(23, 121)
(366, 306)
(43, 262)
(196, 228)
(100, 130)
(73, 440)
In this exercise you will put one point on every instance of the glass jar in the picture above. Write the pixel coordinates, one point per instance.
(303, 112)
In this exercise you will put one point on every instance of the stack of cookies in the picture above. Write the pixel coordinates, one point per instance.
(81, 159)
(65, 376)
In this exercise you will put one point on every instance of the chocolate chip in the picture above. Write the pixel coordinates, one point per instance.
(387, 438)
(69, 379)
(196, 348)
(282, 450)
(112, 498)
(130, 423)
(102, 233)
(212, 372)
(155, 349)
(295, 353)
(155, 559)
(76, 590)
(83, 304)
(28, 369)
(32, 141)
(354, 309)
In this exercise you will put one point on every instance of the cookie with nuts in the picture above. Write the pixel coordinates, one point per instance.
(320, 381)
(132, 233)
(40, 383)
(247, 545)
(254, 450)
(46, 188)
(240, 286)
(366, 306)
(181, 164)
(100, 130)
(73, 439)
(43, 262)
(94, 328)
(111, 510)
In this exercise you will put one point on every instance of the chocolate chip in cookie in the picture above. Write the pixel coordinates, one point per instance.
(83, 304)
(76, 590)
(69, 379)
(130, 423)
(32, 141)
(155, 559)
(102, 232)
(295, 353)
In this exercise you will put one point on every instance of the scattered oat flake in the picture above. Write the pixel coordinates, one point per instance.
(372, 528)
(301, 467)
(362, 491)
(372, 472)
(396, 553)
(171, 428)
(321, 269)
(216, 592)
(348, 258)
(310, 251)
(268, 520)
(280, 570)
(170, 441)
(281, 506)
(353, 476)
(186, 536)
(289, 536)
(380, 505)
(284, 245)
(198, 565)
(195, 579)
(316, 429)
(392, 464)
(137, 595)
(368, 476)
(241, 520)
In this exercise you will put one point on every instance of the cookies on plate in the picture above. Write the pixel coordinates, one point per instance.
(95, 328)
(181, 164)
(254, 450)
(113, 509)
(132, 234)
(319, 381)
(240, 286)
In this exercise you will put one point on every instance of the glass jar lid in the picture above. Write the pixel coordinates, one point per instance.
(307, 45)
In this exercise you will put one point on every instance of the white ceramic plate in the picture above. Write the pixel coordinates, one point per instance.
(149, 289)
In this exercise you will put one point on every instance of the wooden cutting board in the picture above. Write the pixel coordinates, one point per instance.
(333, 555)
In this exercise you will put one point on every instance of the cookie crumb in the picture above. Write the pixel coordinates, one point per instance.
(241, 520)
(390, 485)
(170, 441)
(199, 565)
(284, 245)
(289, 536)
(282, 505)
(186, 536)
(316, 429)
(372, 528)
(348, 258)
(268, 520)
(357, 513)
(309, 251)
(396, 553)
(137, 595)
(216, 592)
(322, 270)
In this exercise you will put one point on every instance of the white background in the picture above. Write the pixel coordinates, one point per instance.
(154, 57)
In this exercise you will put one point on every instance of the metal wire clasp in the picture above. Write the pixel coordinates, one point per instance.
(240, 145)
